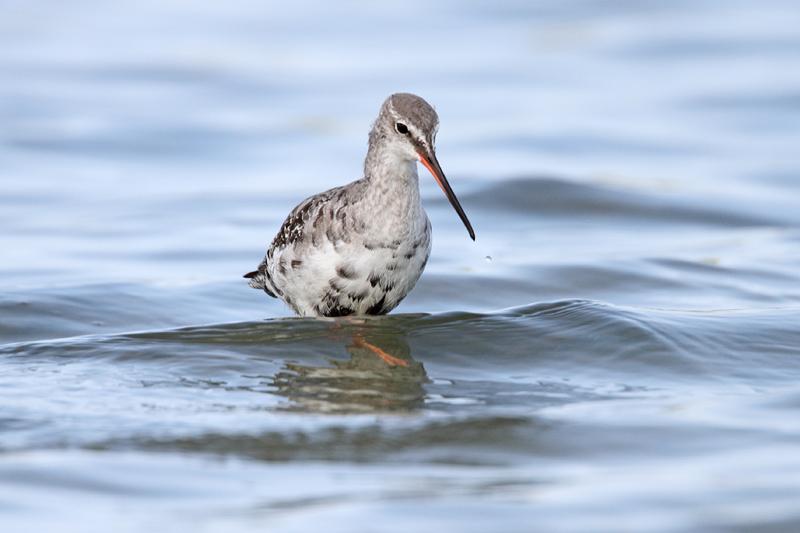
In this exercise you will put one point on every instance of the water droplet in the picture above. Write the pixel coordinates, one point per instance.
(488, 258)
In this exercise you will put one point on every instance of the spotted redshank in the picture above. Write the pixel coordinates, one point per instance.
(360, 249)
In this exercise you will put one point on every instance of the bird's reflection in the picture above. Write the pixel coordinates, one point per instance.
(380, 375)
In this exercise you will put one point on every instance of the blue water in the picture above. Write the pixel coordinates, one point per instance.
(618, 351)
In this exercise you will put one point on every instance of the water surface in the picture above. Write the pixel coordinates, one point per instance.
(618, 351)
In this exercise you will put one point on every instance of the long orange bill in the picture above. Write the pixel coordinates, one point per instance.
(430, 162)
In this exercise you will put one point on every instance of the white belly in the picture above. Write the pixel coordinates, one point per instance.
(338, 279)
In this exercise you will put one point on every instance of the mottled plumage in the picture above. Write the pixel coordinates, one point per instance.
(360, 249)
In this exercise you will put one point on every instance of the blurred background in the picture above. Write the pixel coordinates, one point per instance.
(142, 141)
(619, 350)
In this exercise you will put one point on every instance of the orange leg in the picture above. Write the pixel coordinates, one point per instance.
(388, 358)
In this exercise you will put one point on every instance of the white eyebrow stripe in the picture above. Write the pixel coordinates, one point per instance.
(418, 134)
(415, 132)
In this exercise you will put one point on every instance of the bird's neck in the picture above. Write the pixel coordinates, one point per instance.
(393, 190)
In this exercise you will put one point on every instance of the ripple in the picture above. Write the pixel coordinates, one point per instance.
(555, 197)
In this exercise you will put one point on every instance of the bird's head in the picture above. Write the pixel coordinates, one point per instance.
(407, 126)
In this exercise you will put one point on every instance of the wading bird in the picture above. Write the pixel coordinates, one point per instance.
(359, 249)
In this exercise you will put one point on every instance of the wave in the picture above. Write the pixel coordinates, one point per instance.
(549, 197)
(577, 337)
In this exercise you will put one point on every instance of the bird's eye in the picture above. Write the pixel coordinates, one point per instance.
(401, 128)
